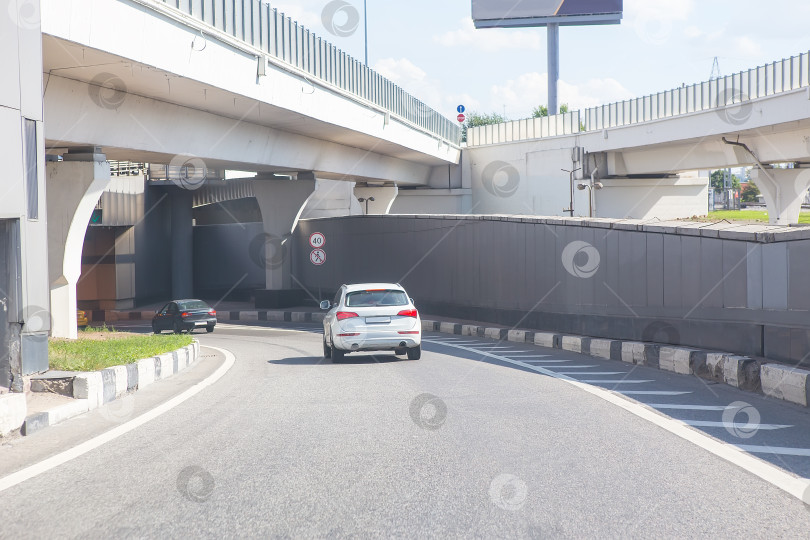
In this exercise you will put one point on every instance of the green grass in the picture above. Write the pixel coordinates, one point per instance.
(750, 215)
(87, 354)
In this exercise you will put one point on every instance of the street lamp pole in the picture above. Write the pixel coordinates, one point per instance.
(570, 208)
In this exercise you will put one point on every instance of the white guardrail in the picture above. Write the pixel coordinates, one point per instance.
(774, 78)
(261, 26)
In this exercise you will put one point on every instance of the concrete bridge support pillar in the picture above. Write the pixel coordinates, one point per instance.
(783, 190)
(182, 239)
(383, 196)
(73, 187)
(281, 201)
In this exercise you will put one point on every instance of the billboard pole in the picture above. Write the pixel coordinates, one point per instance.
(553, 66)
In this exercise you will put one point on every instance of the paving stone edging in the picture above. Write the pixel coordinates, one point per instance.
(775, 380)
(96, 388)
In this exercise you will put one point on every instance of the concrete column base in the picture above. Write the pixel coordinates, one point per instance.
(74, 186)
(281, 201)
(783, 191)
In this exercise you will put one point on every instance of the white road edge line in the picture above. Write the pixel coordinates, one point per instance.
(72, 453)
(793, 485)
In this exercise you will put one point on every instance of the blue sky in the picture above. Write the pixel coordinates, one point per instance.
(431, 49)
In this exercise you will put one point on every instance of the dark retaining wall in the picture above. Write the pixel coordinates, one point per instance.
(735, 288)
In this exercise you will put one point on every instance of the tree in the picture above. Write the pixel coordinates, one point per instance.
(542, 110)
(717, 178)
(750, 193)
(475, 119)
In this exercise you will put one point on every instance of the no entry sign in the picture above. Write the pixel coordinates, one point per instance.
(461, 118)
(317, 240)
(317, 257)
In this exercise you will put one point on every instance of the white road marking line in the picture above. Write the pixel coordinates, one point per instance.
(747, 427)
(492, 347)
(686, 407)
(653, 392)
(591, 373)
(781, 450)
(787, 482)
(544, 361)
(530, 356)
(72, 453)
(566, 367)
(606, 381)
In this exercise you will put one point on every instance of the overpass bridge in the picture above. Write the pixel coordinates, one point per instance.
(202, 86)
(639, 148)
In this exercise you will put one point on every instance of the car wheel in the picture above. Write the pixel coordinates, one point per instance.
(177, 328)
(327, 351)
(415, 353)
(154, 329)
(209, 328)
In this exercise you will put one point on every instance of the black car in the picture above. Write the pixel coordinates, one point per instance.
(188, 315)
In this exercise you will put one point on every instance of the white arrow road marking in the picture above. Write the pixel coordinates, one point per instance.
(591, 373)
(782, 451)
(686, 407)
(787, 482)
(72, 453)
(607, 381)
(748, 427)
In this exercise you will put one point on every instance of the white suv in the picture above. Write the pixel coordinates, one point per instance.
(371, 317)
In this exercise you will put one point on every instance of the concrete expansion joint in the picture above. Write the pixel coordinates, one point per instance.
(764, 377)
(91, 390)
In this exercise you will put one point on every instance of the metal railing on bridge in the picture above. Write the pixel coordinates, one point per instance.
(256, 23)
(736, 89)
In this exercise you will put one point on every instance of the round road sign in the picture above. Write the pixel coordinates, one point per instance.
(317, 240)
(317, 257)
(461, 109)
(461, 118)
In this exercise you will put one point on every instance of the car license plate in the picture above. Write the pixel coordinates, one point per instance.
(200, 323)
(378, 320)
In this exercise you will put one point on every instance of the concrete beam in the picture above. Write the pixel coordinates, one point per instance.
(383, 196)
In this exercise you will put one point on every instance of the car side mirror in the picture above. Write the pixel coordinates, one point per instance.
(326, 304)
(412, 302)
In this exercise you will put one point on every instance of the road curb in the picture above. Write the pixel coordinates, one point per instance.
(93, 389)
(771, 379)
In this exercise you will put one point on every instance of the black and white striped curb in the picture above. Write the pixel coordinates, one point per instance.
(775, 380)
(96, 388)
(223, 316)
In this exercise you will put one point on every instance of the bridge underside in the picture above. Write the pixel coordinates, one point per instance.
(140, 113)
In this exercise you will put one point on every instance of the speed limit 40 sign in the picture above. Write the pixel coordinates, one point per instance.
(317, 240)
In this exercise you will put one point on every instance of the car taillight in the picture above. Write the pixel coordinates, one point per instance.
(213, 313)
(184, 314)
(341, 315)
(351, 334)
(408, 313)
(409, 332)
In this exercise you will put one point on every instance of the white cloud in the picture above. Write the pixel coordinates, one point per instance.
(522, 95)
(654, 21)
(490, 39)
(747, 47)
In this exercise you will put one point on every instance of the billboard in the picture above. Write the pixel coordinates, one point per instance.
(518, 13)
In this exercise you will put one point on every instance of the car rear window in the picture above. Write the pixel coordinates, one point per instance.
(376, 298)
(194, 304)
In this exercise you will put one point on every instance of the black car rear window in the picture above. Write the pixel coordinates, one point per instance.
(194, 304)
(376, 298)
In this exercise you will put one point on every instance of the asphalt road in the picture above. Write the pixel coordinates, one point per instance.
(470, 441)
